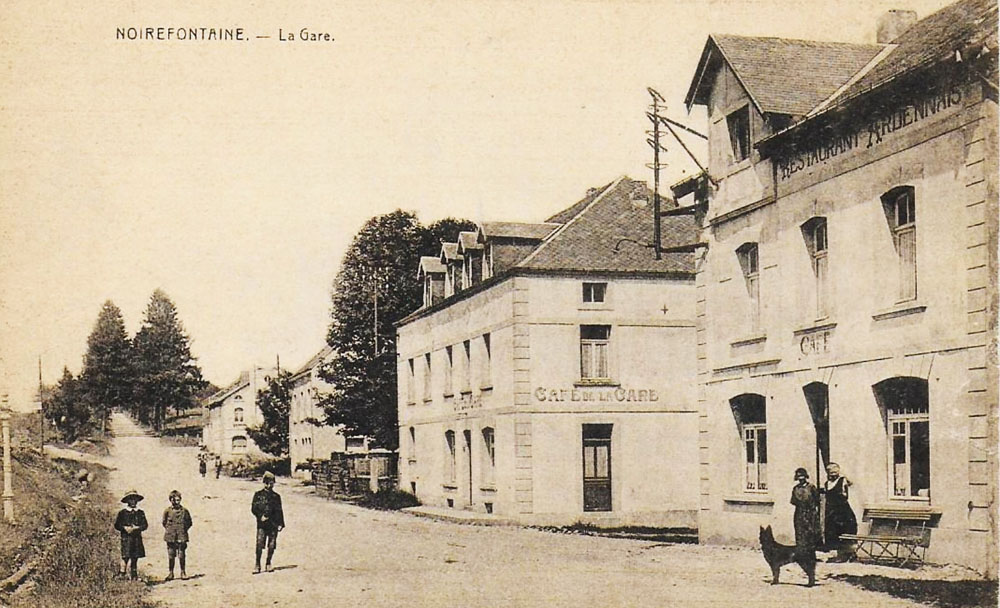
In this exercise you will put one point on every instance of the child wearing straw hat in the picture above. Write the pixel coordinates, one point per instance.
(131, 522)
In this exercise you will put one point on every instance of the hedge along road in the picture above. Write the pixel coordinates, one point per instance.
(334, 553)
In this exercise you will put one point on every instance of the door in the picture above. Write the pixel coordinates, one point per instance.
(468, 460)
(597, 467)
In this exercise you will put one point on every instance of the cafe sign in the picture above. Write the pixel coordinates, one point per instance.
(606, 395)
(870, 133)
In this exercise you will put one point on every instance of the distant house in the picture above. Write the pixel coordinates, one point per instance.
(309, 438)
(230, 411)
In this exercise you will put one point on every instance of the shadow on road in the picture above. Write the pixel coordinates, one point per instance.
(163, 581)
(944, 594)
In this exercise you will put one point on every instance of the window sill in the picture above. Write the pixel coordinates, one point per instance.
(466, 393)
(487, 488)
(428, 399)
(749, 499)
(900, 310)
(411, 403)
(486, 388)
(596, 382)
(449, 487)
(595, 306)
(818, 325)
(411, 460)
(749, 341)
(447, 395)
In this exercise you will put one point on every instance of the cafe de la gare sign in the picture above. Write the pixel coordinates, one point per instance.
(852, 135)
(605, 394)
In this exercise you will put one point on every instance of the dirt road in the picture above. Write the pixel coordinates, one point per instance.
(334, 554)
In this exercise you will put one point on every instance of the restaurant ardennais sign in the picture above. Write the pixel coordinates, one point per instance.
(856, 135)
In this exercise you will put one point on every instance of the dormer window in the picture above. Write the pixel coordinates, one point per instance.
(739, 133)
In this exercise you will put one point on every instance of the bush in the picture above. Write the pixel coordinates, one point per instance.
(389, 500)
(253, 466)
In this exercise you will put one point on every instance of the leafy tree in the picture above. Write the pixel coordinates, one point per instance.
(275, 403)
(108, 375)
(375, 287)
(66, 407)
(167, 373)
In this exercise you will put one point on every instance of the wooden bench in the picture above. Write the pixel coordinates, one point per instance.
(895, 535)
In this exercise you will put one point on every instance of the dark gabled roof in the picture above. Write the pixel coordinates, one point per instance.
(516, 230)
(449, 252)
(221, 394)
(467, 241)
(570, 212)
(611, 234)
(781, 75)
(315, 360)
(430, 265)
(932, 39)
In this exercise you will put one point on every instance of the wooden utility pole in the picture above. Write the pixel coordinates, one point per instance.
(41, 408)
(8, 484)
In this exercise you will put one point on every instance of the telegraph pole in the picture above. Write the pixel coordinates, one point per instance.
(8, 485)
(41, 408)
(654, 142)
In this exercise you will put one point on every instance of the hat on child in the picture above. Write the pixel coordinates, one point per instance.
(132, 494)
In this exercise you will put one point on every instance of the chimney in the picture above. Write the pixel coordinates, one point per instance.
(892, 24)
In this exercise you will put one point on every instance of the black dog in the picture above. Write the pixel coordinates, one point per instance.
(777, 555)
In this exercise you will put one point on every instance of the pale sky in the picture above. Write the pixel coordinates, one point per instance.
(233, 175)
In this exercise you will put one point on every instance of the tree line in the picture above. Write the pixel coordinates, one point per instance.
(146, 375)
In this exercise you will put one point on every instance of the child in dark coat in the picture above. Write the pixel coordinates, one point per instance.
(131, 522)
(176, 523)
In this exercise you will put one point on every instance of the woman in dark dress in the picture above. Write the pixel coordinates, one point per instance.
(840, 517)
(805, 497)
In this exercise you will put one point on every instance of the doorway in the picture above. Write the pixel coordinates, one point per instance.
(597, 467)
(818, 398)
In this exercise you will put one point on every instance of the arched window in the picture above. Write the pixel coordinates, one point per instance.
(488, 457)
(238, 415)
(814, 232)
(900, 208)
(906, 411)
(239, 444)
(751, 420)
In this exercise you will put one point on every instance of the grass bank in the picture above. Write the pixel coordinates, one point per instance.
(62, 551)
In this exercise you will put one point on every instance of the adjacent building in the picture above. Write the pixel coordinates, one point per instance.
(549, 377)
(309, 437)
(847, 295)
(230, 411)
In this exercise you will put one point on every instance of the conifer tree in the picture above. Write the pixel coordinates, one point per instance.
(168, 376)
(275, 402)
(67, 408)
(108, 377)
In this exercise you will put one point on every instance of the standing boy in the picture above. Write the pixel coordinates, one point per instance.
(176, 522)
(131, 522)
(266, 507)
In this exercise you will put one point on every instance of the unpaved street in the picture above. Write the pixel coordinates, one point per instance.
(336, 554)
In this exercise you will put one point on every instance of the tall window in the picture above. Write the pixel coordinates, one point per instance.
(901, 211)
(750, 264)
(413, 443)
(410, 381)
(815, 233)
(594, 292)
(449, 363)
(594, 351)
(739, 132)
(749, 411)
(449, 457)
(904, 403)
(489, 457)
(466, 367)
(486, 370)
(238, 415)
(427, 376)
